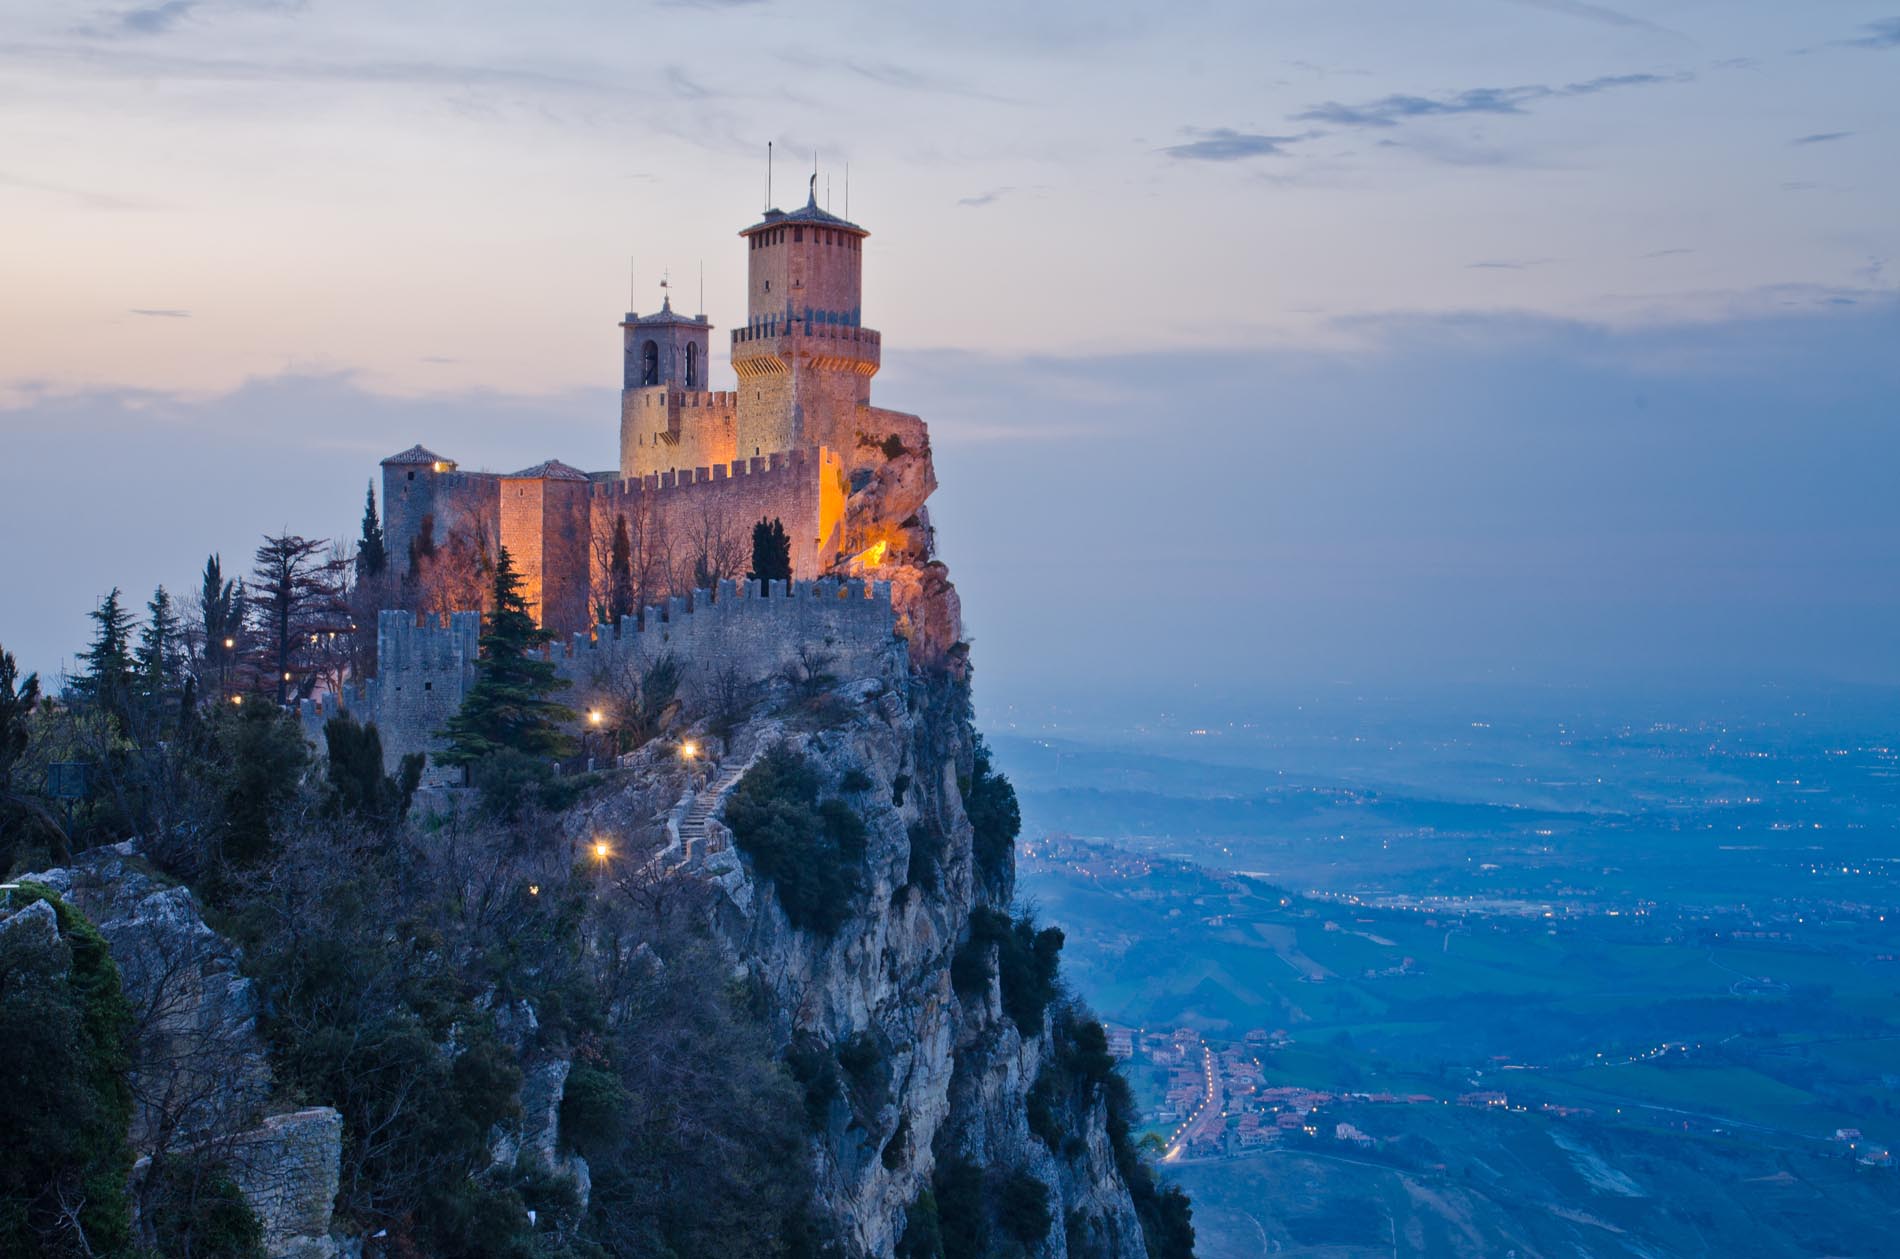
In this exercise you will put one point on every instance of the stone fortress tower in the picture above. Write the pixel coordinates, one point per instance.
(797, 440)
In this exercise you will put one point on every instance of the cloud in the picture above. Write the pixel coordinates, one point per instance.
(160, 314)
(156, 19)
(893, 75)
(83, 196)
(1821, 137)
(1668, 253)
(1880, 36)
(1390, 111)
(1598, 13)
(1224, 144)
(985, 198)
(1509, 264)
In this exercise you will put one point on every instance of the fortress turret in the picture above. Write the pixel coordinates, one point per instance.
(804, 357)
(665, 348)
(668, 417)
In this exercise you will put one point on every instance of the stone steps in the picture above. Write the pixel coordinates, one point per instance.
(706, 801)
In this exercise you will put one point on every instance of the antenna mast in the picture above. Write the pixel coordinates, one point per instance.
(702, 286)
(768, 174)
(633, 284)
(847, 190)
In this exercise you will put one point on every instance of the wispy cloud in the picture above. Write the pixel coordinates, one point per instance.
(1224, 144)
(1598, 13)
(1879, 36)
(1668, 253)
(893, 74)
(985, 198)
(156, 19)
(1509, 264)
(160, 314)
(1390, 111)
(1821, 137)
(86, 197)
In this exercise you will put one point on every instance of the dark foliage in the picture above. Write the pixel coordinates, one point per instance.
(508, 708)
(372, 553)
(358, 786)
(771, 553)
(810, 850)
(923, 1234)
(65, 1032)
(196, 1209)
(267, 752)
(1027, 960)
(1022, 1207)
(963, 1228)
(995, 819)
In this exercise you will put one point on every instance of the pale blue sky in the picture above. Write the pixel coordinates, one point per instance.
(1357, 299)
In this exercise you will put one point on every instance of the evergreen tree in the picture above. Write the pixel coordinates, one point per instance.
(358, 785)
(221, 610)
(297, 604)
(372, 556)
(620, 573)
(108, 678)
(771, 553)
(158, 656)
(508, 708)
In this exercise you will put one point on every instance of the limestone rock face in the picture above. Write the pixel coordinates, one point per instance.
(287, 1169)
(951, 1076)
(200, 1074)
(199, 1064)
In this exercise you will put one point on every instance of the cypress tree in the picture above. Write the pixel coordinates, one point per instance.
(771, 553)
(372, 556)
(620, 572)
(157, 658)
(221, 609)
(508, 708)
(108, 679)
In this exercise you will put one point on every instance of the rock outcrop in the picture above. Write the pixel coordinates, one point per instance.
(200, 1074)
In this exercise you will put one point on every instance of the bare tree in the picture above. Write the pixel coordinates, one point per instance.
(716, 547)
(296, 604)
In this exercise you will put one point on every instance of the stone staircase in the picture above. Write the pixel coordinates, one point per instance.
(705, 801)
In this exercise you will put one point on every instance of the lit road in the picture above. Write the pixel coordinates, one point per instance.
(1208, 1118)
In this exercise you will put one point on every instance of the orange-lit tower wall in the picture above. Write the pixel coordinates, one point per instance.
(804, 357)
(668, 417)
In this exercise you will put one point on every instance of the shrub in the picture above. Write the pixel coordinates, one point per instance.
(854, 780)
(926, 857)
(197, 1210)
(1022, 1207)
(963, 1232)
(65, 1032)
(595, 1110)
(1026, 962)
(923, 1235)
(816, 1070)
(892, 1155)
(995, 818)
(809, 850)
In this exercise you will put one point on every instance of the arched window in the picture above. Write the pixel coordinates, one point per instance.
(650, 363)
(692, 365)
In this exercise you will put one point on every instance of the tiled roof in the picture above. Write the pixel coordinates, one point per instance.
(552, 470)
(809, 214)
(415, 454)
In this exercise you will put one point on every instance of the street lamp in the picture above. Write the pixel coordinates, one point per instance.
(601, 851)
(689, 750)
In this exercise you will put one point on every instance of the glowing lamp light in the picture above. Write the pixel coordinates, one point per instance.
(237, 699)
(534, 889)
(600, 850)
(593, 715)
(230, 643)
(689, 749)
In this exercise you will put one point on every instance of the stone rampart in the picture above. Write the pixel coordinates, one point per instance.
(743, 632)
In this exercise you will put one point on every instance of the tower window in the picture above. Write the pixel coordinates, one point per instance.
(798, 234)
(692, 365)
(650, 363)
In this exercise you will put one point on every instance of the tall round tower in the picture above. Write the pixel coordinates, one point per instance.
(804, 357)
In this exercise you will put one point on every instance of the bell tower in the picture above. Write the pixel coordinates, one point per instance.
(668, 417)
(804, 357)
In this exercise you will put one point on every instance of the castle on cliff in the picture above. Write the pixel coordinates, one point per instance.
(790, 443)
(797, 441)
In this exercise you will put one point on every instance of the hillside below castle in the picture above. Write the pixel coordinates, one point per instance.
(709, 947)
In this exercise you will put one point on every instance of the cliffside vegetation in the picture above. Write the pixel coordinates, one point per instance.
(811, 850)
(65, 1105)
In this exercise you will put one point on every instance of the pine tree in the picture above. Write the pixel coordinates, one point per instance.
(771, 553)
(221, 610)
(158, 656)
(108, 679)
(372, 556)
(298, 604)
(508, 708)
(620, 573)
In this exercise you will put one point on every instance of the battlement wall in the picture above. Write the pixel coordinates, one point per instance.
(742, 631)
(665, 427)
(804, 488)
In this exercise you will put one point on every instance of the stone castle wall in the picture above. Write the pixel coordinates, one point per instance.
(666, 428)
(801, 383)
(464, 501)
(546, 525)
(742, 631)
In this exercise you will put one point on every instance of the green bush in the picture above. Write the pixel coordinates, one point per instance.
(811, 851)
(923, 1237)
(198, 1210)
(926, 857)
(1027, 961)
(1022, 1207)
(963, 1231)
(65, 1032)
(595, 1109)
(995, 819)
